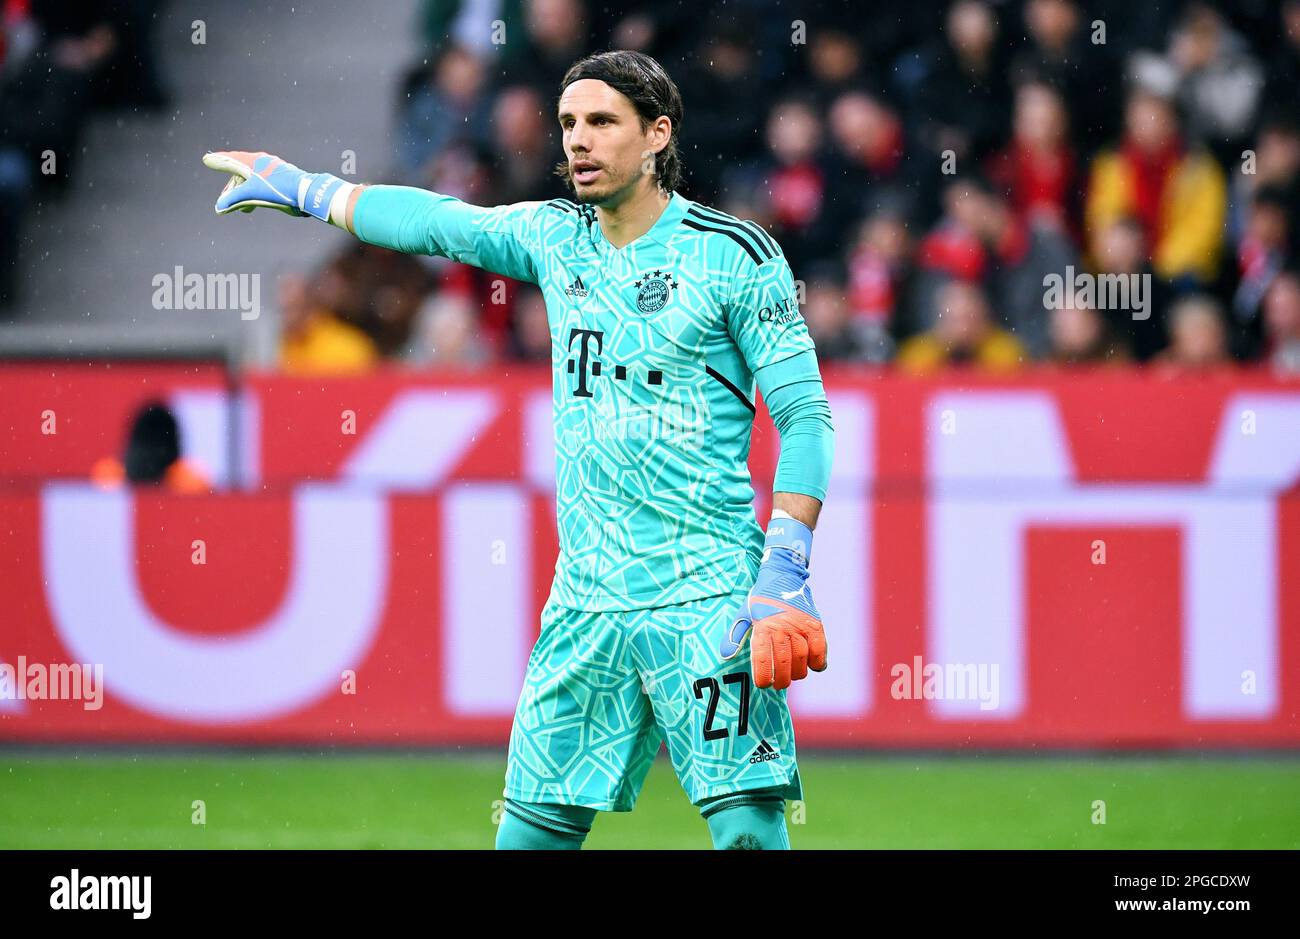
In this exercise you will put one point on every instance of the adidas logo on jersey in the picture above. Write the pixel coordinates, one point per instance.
(576, 289)
(764, 752)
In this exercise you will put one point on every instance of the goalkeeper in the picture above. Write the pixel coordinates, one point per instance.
(672, 617)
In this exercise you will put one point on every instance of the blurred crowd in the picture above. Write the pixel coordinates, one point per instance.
(924, 166)
(61, 63)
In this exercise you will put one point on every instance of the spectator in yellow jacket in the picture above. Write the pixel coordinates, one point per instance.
(963, 334)
(313, 341)
(1177, 193)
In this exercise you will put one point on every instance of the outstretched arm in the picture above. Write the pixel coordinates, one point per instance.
(263, 180)
(352, 208)
(403, 218)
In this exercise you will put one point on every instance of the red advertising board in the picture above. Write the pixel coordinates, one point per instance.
(1073, 560)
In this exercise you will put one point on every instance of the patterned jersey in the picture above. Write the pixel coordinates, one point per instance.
(654, 350)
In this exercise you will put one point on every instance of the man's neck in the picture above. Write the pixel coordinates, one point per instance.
(634, 216)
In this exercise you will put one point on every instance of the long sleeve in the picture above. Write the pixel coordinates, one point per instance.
(416, 221)
(764, 320)
(797, 402)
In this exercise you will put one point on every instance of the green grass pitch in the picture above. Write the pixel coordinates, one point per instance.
(439, 800)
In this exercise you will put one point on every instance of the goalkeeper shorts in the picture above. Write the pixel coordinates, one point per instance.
(604, 689)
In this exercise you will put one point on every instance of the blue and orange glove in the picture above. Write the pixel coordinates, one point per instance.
(787, 635)
(262, 180)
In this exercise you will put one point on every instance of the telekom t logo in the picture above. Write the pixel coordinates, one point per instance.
(583, 335)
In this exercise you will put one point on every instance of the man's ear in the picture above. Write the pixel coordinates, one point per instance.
(663, 128)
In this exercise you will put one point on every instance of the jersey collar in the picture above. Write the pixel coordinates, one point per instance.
(659, 231)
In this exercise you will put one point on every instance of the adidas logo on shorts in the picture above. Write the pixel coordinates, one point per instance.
(764, 752)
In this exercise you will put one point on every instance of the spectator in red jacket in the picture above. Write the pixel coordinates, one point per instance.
(795, 181)
(982, 239)
(880, 279)
(1037, 169)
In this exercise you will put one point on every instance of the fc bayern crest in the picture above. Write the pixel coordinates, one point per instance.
(653, 290)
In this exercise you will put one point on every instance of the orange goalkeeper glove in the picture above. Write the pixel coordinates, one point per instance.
(788, 638)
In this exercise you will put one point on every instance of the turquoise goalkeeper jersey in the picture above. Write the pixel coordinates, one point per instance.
(656, 348)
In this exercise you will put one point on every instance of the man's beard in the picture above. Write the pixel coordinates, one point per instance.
(611, 192)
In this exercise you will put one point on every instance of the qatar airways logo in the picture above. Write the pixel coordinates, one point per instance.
(785, 311)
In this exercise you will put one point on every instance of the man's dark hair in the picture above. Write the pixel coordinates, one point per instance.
(644, 82)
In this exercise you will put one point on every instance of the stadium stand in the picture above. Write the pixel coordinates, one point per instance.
(1024, 138)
